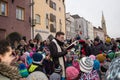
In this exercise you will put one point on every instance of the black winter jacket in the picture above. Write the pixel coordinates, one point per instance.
(54, 52)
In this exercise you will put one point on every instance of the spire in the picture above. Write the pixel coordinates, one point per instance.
(103, 24)
(103, 19)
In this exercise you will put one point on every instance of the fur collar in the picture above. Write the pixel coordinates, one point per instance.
(9, 71)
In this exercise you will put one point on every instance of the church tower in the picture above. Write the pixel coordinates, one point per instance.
(103, 24)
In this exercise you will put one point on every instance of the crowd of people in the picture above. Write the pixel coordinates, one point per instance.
(60, 59)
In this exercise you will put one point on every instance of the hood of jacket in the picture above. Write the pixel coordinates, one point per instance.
(10, 72)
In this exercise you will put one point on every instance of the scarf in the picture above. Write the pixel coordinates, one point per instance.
(61, 61)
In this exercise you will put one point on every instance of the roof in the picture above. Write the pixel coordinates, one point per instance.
(75, 16)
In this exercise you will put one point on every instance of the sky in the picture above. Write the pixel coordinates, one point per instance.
(91, 10)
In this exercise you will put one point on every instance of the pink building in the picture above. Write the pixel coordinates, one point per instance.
(15, 17)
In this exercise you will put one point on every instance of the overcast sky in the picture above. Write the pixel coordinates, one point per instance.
(91, 10)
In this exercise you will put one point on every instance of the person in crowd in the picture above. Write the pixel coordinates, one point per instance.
(113, 72)
(37, 63)
(86, 69)
(48, 65)
(96, 65)
(72, 73)
(114, 45)
(98, 47)
(23, 70)
(108, 45)
(57, 51)
(68, 60)
(7, 72)
(75, 63)
(85, 49)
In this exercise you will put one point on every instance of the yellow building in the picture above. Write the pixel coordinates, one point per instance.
(49, 17)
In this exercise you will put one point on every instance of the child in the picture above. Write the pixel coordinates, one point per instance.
(87, 72)
(23, 70)
(48, 65)
(72, 73)
(37, 63)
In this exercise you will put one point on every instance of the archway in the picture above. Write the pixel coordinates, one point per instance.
(50, 37)
(14, 37)
(38, 37)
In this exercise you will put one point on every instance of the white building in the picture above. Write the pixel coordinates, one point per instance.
(90, 31)
(98, 32)
(78, 28)
(70, 28)
(84, 28)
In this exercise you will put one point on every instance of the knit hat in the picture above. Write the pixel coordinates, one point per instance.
(23, 70)
(108, 40)
(96, 65)
(72, 72)
(92, 57)
(37, 75)
(111, 55)
(113, 73)
(86, 64)
(55, 76)
(101, 57)
(37, 57)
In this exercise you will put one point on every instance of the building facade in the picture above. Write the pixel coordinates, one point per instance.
(78, 27)
(90, 31)
(70, 26)
(48, 17)
(84, 28)
(98, 32)
(15, 18)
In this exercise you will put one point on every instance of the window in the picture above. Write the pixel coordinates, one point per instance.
(60, 23)
(20, 13)
(52, 28)
(3, 8)
(52, 18)
(79, 26)
(52, 4)
(47, 21)
(59, 8)
(53, 25)
(47, 1)
(37, 19)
